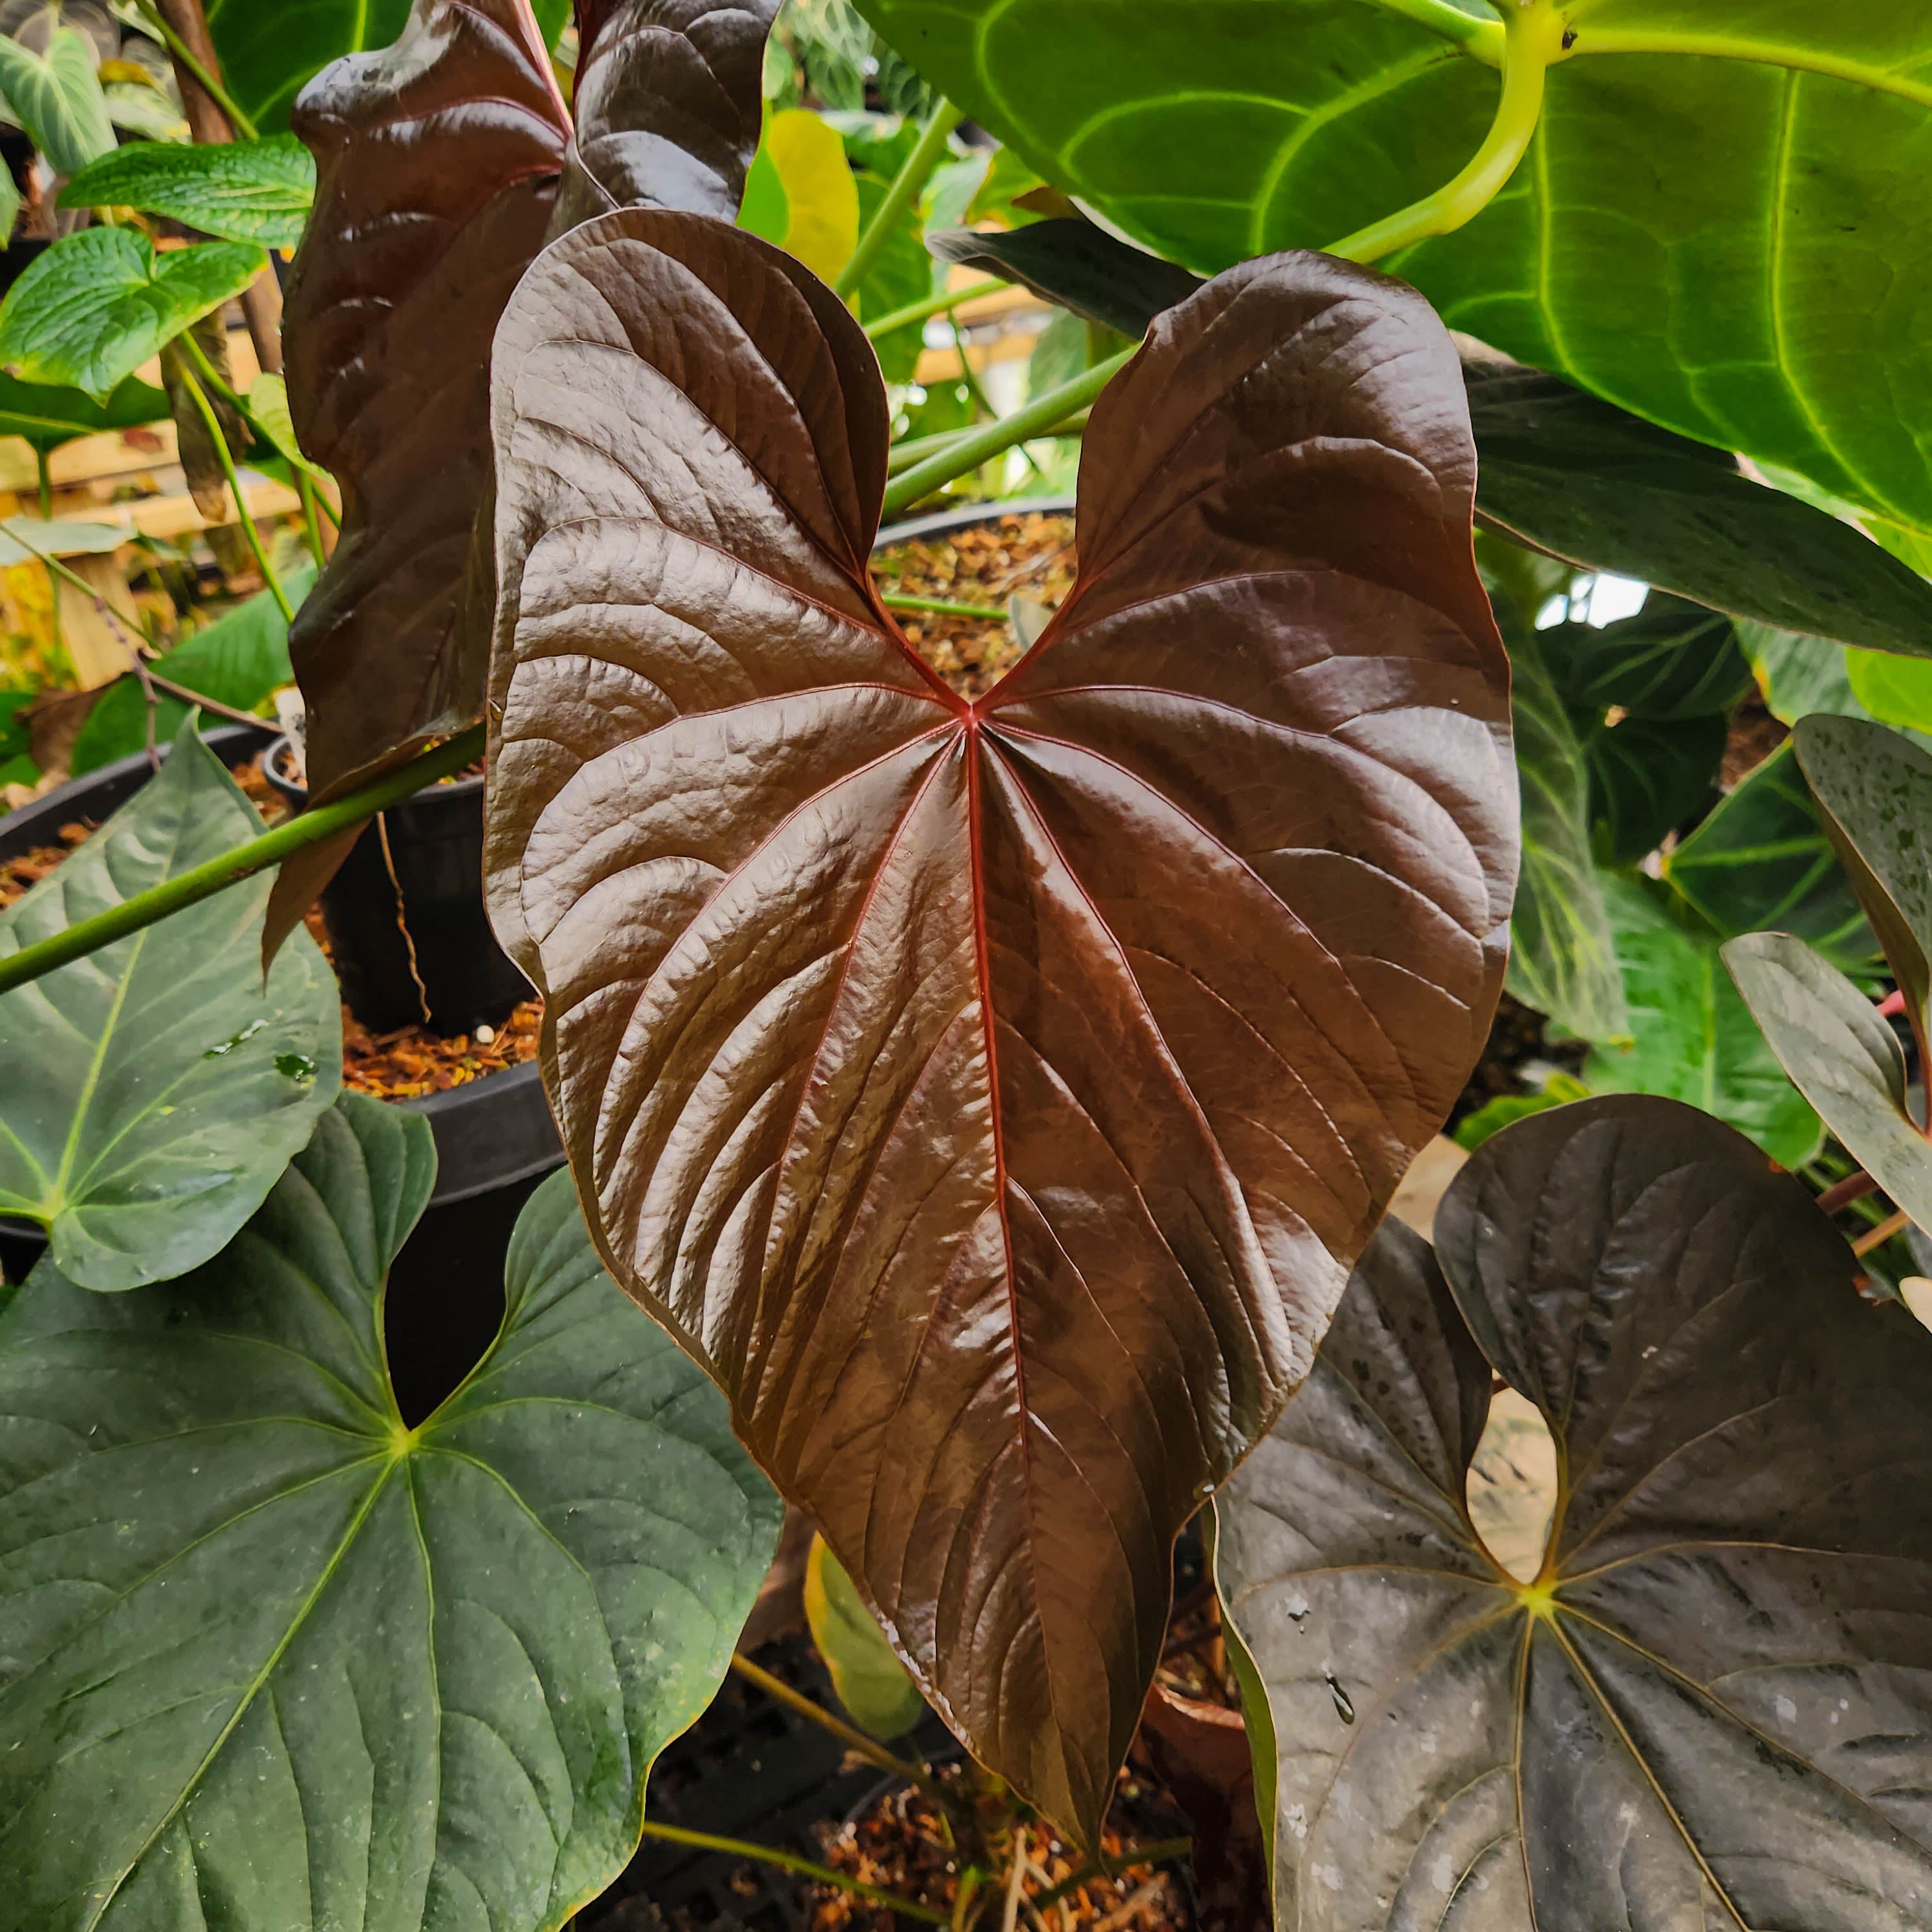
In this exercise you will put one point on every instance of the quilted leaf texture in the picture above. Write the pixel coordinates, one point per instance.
(993, 1097)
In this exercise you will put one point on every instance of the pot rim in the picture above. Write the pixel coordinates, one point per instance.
(964, 516)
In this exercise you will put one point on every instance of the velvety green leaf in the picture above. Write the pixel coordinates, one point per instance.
(1842, 1056)
(92, 309)
(237, 661)
(1873, 788)
(1733, 247)
(1672, 660)
(1762, 861)
(1692, 1038)
(24, 538)
(137, 109)
(152, 1093)
(1706, 1712)
(257, 191)
(274, 1650)
(56, 97)
(9, 206)
(1647, 777)
(269, 53)
(47, 414)
(871, 1681)
(1562, 956)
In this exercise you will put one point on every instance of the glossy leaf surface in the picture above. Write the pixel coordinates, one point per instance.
(1563, 957)
(993, 1095)
(92, 309)
(269, 54)
(871, 1681)
(1762, 861)
(152, 1093)
(437, 165)
(1692, 1038)
(1077, 265)
(1843, 1057)
(275, 1661)
(1718, 224)
(47, 414)
(258, 191)
(1705, 1713)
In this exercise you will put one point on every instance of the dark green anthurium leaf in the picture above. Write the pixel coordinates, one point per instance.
(47, 414)
(257, 191)
(1844, 1058)
(1563, 957)
(1706, 1711)
(1717, 222)
(92, 309)
(151, 1093)
(56, 97)
(1562, 471)
(990, 1092)
(1647, 777)
(1762, 861)
(1672, 660)
(269, 1648)
(871, 1681)
(238, 660)
(269, 54)
(1874, 792)
(1691, 1037)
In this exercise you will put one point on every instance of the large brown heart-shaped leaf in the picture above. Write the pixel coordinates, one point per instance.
(993, 1096)
(1708, 1710)
(437, 165)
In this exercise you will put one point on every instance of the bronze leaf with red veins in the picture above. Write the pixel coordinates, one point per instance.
(994, 1096)
(437, 160)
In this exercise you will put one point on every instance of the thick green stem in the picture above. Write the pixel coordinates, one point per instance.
(225, 457)
(921, 311)
(938, 606)
(230, 869)
(964, 456)
(742, 1848)
(917, 448)
(907, 184)
(311, 523)
(245, 128)
(1533, 32)
(43, 470)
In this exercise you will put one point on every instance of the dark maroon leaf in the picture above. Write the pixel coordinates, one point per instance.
(668, 102)
(994, 1096)
(436, 164)
(1708, 1710)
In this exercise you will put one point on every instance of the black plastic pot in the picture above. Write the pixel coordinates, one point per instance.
(966, 516)
(410, 936)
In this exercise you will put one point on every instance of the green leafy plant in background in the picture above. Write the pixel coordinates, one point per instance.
(871, 1681)
(256, 191)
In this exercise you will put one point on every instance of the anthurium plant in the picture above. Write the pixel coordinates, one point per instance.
(982, 1112)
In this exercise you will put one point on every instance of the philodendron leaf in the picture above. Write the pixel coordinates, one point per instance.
(1647, 776)
(268, 54)
(1706, 1711)
(446, 149)
(1842, 1056)
(256, 191)
(151, 1094)
(273, 1649)
(56, 96)
(871, 1681)
(1673, 661)
(1561, 470)
(92, 309)
(47, 414)
(1716, 222)
(1692, 1038)
(1762, 860)
(992, 1095)
(1563, 959)
(1874, 793)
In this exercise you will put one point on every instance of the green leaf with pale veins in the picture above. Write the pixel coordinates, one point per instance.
(1647, 776)
(1707, 1711)
(56, 97)
(1762, 861)
(1692, 1038)
(1672, 660)
(92, 309)
(152, 1093)
(1842, 1056)
(259, 191)
(274, 1661)
(1720, 223)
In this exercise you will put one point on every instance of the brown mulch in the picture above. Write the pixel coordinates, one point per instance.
(19, 876)
(1024, 554)
(901, 1845)
(1754, 735)
(1515, 1038)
